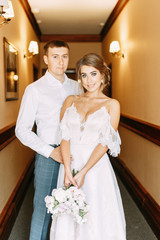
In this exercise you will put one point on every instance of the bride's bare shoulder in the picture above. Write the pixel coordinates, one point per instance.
(69, 99)
(112, 104)
(113, 108)
(67, 103)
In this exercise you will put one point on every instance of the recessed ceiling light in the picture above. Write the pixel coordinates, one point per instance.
(101, 24)
(35, 10)
(39, 21)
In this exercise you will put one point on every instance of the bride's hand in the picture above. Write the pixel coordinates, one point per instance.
(79, 178)
(68, 179)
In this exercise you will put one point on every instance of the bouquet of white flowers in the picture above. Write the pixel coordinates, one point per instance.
(69, 200)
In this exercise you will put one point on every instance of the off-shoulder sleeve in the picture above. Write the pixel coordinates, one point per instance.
(110, 138)
(64, 128)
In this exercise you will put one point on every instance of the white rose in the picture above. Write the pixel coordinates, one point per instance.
(53, 191)
(49, 199)
(50, 207)
(60, 195)
(68, 194)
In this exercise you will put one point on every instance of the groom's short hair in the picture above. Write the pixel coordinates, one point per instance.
(54, 43)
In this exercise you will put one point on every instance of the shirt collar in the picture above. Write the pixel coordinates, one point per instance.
(52, 80)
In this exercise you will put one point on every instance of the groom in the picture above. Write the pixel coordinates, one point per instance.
(41, 103)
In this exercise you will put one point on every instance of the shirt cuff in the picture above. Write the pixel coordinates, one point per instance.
(47, 151)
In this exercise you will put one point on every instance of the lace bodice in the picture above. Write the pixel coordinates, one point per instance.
(96, 129)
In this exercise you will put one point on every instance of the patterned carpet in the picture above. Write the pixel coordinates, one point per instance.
(137, 227)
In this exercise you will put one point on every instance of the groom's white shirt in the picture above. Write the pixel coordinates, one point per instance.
(41, 103)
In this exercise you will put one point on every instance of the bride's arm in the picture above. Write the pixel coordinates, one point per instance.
(100, 150)
(96, 155)
(65, 148)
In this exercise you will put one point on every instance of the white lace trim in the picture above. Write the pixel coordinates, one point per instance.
(110, 138)
(107, 135)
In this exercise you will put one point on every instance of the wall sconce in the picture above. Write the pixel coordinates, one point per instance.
(33, 50)
(6, 11)
(114, 48)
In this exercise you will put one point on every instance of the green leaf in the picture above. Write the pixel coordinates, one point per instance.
(74, 172)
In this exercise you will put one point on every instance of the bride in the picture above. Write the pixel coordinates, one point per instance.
(89, 125)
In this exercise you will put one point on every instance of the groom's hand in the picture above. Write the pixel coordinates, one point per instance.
(79, 178)
(68, 179)
(56, 155)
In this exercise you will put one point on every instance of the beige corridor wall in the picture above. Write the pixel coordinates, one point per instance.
(136, 84)
(14, 157)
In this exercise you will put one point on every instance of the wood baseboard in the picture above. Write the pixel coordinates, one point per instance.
(147, 205)
(10, 211)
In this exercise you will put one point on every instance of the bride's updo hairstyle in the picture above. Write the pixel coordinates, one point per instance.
(96, 61)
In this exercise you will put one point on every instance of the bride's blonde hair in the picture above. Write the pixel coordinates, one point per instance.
(96, 61)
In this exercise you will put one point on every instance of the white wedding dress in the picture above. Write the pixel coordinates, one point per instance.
(106, 217)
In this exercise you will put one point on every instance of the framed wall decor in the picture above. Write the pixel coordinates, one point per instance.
(10, 71)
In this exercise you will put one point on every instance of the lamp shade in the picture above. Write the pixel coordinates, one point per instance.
(114, 47)
(33, 47)
(9, 13)
(4, 3)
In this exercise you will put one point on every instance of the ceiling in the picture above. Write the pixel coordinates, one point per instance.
(71, 16)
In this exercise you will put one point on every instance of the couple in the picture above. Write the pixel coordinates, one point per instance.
(89, 123)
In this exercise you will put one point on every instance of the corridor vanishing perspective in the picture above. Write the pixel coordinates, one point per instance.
(93, 26)
(137, 227)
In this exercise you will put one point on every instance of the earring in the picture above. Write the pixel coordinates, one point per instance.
(79, 80)
(101, 80)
